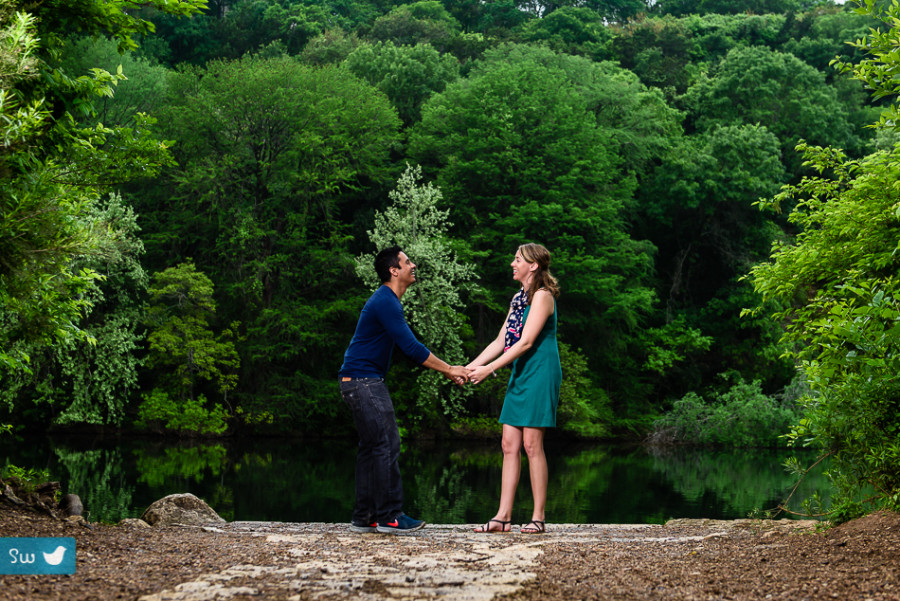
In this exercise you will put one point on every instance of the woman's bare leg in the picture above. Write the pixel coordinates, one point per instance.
(511, 444)
(537, 469)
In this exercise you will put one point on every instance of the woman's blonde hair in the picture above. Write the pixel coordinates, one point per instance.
(536, 253)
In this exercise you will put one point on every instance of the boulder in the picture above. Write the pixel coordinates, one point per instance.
(184, 509)
(71, 505)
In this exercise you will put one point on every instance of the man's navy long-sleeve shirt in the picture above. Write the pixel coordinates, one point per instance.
(381, 325)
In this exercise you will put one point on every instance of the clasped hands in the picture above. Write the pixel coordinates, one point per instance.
(470, 373)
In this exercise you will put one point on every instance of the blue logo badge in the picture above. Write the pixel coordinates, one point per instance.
(37, 555)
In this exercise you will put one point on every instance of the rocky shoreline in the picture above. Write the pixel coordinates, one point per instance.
(683, 559)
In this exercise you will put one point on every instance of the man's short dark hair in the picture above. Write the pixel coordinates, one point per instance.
(384, 260)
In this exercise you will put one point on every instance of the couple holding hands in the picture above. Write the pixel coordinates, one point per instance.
(526, 343)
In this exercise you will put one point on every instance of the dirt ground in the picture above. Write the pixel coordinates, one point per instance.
(683, 560)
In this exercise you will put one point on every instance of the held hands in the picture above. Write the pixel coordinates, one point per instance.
(477, 373)
(458, 374)
(470, 373)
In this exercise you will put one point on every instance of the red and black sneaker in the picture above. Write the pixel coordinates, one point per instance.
(401, 524)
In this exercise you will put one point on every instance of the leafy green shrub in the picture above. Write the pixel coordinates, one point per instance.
(159, 412)
(742, 417)
(27, 478)
(584, 408)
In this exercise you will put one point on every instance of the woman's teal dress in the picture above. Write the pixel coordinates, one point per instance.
(532, 394)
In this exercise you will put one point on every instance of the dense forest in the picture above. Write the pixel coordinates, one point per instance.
(192, 193)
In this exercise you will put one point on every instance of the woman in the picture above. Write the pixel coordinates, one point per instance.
(528, 343)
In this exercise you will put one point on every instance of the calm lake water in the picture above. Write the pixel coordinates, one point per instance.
(449, 482)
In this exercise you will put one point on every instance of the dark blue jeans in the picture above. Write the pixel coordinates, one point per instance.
(379, 491)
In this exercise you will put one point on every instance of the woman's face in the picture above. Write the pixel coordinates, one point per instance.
(522, 269)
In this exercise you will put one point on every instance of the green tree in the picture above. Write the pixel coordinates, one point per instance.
(759, 86)
(408, 75)
(571, 30)
(231, 29)
(426, 22)
(91, 379)
(837, 290)
(52, 170)
(329, 48)
(539, 146)
(698, 208)
(434, 305)
(141, 90)
(729, 7)
(817, 37)
(499, 18)
(184, 353)
(661, 51)
(276, 158)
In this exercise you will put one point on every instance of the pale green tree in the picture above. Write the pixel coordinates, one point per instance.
(434, 305)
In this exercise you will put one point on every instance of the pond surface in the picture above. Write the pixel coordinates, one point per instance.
(454, 482)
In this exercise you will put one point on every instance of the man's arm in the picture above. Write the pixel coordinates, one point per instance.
(398, 329)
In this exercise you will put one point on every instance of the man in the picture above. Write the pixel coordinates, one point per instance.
(379, 491)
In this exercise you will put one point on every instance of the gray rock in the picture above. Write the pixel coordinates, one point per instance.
(71, 504)
(183, 509)
(133, 523)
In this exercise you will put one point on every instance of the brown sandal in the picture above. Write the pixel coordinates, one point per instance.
(486, 528)
(538, 527)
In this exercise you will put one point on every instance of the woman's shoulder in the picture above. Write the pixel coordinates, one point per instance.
(543, 296)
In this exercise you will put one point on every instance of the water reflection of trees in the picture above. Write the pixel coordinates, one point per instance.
(98, 477)
(196, 468)
(191, 462)
(450, 483)
(739, 478)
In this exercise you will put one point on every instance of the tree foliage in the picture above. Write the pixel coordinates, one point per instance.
(577, 31)
(408, 75)
(759, 86)
(741, 417)
(836, 288)
(275, 157)
(183, 349)
(53, 170)
(290, 122)
(90, 379)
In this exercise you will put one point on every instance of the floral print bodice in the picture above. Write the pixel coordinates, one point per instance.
(515, 321)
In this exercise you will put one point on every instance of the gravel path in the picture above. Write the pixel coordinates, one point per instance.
(682, 560)
(440, 562)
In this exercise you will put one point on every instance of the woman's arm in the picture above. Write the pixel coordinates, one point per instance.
(542, 307)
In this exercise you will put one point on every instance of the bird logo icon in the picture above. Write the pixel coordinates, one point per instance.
(55, 558)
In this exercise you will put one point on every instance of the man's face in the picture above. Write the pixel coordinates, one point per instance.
(406, 273)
